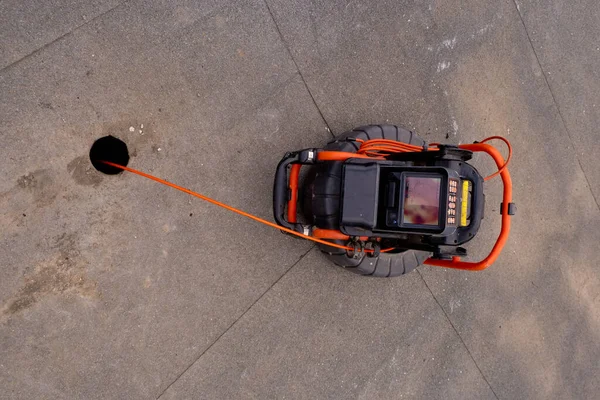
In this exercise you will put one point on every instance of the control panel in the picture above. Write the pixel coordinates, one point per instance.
(452, 201)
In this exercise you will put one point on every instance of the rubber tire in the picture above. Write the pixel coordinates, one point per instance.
(386, 264)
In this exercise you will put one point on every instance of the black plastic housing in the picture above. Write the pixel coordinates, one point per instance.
(366, 204)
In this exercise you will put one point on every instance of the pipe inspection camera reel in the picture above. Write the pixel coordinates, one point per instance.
(380, 201)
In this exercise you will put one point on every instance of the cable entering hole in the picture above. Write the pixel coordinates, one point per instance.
(109, 148)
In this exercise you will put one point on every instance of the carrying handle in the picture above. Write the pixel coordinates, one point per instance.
(285, 193)
(506, 203)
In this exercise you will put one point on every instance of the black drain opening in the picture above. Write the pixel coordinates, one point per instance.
(109, 148)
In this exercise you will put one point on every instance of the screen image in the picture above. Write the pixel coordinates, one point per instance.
(422, 200)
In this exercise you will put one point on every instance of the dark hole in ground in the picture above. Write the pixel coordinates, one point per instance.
(109, 148)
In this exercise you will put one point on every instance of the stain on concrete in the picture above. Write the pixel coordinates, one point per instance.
(62, 274)
(26, 181)
(83, 173)
(41, 185)
(46, 105)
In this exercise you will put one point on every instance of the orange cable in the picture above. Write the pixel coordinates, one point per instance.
(503, 167)
(235, 210)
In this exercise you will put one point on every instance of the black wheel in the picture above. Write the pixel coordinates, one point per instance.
(322, 201)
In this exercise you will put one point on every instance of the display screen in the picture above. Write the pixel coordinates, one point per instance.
(421, 200)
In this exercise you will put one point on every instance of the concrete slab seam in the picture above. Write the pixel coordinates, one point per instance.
(235, 322)
(61, 37)
(560, 114)
(458, 334)
(287, 48)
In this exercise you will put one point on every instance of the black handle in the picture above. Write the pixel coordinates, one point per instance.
(281, 189)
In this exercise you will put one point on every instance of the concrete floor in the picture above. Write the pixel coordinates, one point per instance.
(117, 287)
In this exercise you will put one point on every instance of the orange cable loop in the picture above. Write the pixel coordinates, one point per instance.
(487, 178)
(383, 148)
